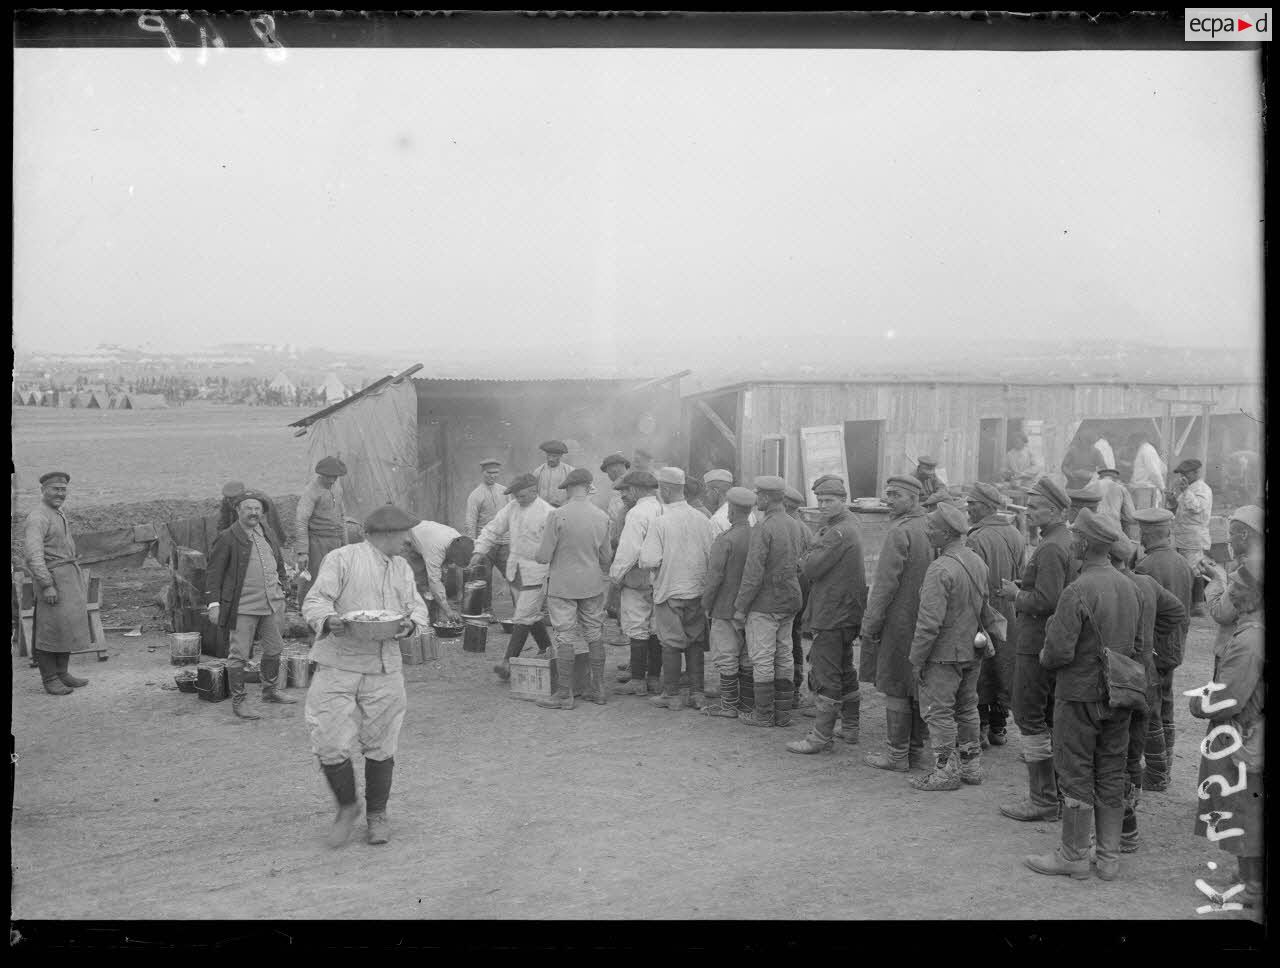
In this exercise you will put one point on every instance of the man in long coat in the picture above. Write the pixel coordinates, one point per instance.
(889, 625)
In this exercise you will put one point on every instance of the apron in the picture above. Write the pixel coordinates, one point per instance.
(63, 627)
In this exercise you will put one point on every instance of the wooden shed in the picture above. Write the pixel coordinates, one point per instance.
(879, 427)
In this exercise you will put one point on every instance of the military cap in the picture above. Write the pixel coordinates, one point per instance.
(822, 478)
(1085, 497)
(1109, 470)
(331, 467)
(670, 475)
(949, 516)
(1097, 527)
(723, 476)
(389, 518)
(491, 462)
(936, 498)
(1250, 516)
(553, 447)
(249, 496)
(905, 483)
(1052, 492)
(637, 478)
(1151, 517)
(614, 459)
(520, 483)
(577, 476)
(770, 482)
(792, 495)
(229, 489)
(54, 476)
(924, 461)
(1190, 464)
(743, 497)
(830, 485)
(1121, 549)
(989, 494)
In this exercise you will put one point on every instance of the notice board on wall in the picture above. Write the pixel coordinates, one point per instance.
(822, 452)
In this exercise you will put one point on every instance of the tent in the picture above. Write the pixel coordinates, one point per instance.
(35, 398)
(19, 398)
(97, 400)
(333, 389)
(64, 398)
(284, 386)
(146, 401)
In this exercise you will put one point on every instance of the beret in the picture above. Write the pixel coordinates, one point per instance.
(791, 494)
(1085, 497)
(637, 478)
(984, 493)
(229, 489)
(491, 462)
(520, 483)
(46, 478)
(389, 518)
(1250, 516)
(1153, 516)
(743, 497)
(770, 482)
(577, 476)
(553, 447)
(1122, 548)
(830, 485)
(950, 517)
(1051, 491)
(1190, 464)
(1097, 527)
(925, 461)
(903, 482)
(670, 475)
(331, 466)
(1108, 470)
(722, 476)
(614, 459)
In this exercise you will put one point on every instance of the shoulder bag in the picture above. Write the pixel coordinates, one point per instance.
(1124, 680)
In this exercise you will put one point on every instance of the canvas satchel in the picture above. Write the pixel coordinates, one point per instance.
(1124, 680)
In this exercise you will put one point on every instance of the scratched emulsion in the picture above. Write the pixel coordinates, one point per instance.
(262, 25)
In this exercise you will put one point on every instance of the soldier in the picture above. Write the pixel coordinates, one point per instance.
(1045, 576)
(890, 624)
(1081, 498)
(793, 501)
(1001, 547)
(837, 597)
(1116, 502)
(320, 521)
(715, 486)
(728, 637)
(767, 603)
(1192, 507)
(550, 474)
(635, 609)
(926, 473)
(1098, 609)
(483, 505)
(609, 500)
(1171, 571)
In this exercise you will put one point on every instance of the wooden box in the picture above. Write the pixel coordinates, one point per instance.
(531, 679)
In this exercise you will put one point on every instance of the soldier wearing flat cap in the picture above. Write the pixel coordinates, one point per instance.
(635, 611)
(1082, 497)
(1192, 506)
(320, 522)
(889, 625)
(357, 697)
(483, 505)
(715, 487)
(1098, 610)
(1001, 547)
(1051, 568)
(551, 473)
(833, 565)
(727, 635)
(60, 626)
(793, 501)
(926, 473)
(607, 499)
(227, 516)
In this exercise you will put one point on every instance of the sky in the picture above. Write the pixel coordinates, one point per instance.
(651, 208)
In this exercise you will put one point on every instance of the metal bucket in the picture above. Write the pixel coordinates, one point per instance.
(300, 667)
(211, 681)
(475, 635)
(473, 597)
(184, 648)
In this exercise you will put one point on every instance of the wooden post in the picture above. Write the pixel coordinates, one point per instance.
(1204, 441)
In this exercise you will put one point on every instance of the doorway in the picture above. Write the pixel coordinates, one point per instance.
(990, 435)
(862, 439)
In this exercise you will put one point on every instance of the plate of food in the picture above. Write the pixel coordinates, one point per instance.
(372, 625)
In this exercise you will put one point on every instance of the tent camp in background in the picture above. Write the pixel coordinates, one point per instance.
(119, 401)
(35, 398)
(285, 387)
(96, 400)
(19, 398)
(333, 389)
(146, 401)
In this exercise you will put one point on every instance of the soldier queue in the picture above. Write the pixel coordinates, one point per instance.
(963, 624)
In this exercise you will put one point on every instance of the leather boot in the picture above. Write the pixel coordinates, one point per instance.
(1071, 857)
(654, 658)
(762, 712)
(600, 692)
(820, 736)
(639, 665)
(1108, 824)
(971, 767)
(377, 788)
(783, 702)
(342, 781)
(1129, 828)
(1041, 803)
(515, 645)
(850, 715)
(945, 774)
(562, 698)
(727, 705)
(746, 691)
(73, 682)
(998, 735)
(270, 672)
(918, 758)
(48, 663)
(581, 673)
(697, 660)
(235, 685)
(897, 738)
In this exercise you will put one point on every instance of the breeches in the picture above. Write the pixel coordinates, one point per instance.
(530, 602)
(345, 707)
(577, 622)
(831, 671)
(680, 623)
(1033, 706)
(769, 645)
(949, 704)
(729, 647)
(1090, 746)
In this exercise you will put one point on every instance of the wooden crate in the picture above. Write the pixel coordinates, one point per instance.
(531, 679)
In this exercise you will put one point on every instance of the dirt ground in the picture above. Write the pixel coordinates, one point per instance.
(133, 800)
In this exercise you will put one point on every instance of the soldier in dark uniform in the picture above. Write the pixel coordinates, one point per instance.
(1082, 498)
(834, 567)
(926, 474)
(792, 502)
(1046, 575)
(1091, 739)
